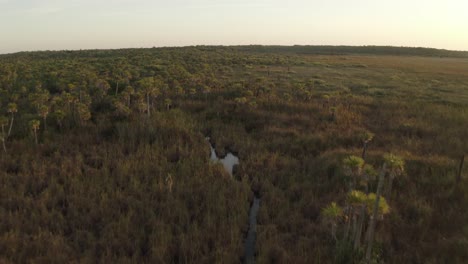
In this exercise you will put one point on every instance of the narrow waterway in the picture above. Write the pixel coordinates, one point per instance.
(249, 257)
(229, 162)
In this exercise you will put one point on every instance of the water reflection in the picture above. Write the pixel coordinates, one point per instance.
(228, 162)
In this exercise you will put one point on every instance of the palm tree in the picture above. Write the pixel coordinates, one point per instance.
(121, 108)
(169, 182)
(3, 124)
(35, 124)
(140, 105)
(353, 168)
(241, 100)
(102, 87)
(326, 100)
(332, 213)
(127, 95)
(59, 115)
(168, 103)
(192, 92)
(356, 201)
(460, 168)
(366, 137)
(375, 211)
(39, 97)
(383, 207)
(205, 89)
(396, 167)
(368, 173)
(333, 111)
(120, 76)
(287, 97)
(150, 87)
(83, 113)
(177, 88)
(12, 109)
(44, 112)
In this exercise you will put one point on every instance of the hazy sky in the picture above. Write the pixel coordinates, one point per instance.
(85, 24)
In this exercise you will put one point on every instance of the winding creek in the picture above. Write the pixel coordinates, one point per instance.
(229, 161)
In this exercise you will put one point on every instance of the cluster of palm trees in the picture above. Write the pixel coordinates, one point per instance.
(362, 209)
(73, 105)
(5, 122)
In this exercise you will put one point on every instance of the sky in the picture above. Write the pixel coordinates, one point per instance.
(28, 25)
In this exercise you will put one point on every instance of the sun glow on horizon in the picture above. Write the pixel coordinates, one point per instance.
(86, 24)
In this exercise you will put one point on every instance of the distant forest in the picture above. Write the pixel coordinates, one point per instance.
(348, 50)
(297, 49)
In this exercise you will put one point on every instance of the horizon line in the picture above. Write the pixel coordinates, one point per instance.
(227, 45)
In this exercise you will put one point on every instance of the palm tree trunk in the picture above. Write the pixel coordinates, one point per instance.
(364, 149)
(15, 75)
(366, 179)
(148, 104)
(363, 214)
(462, 160)
(35, 135)
(117, 88)
(389, 187)
(348, 223)
(73, 113)
(357, 238)
(373, 219)
(353, 234)
(333, 230)
(4, 147)
(11, 124)
(354, 223)
(3, 139)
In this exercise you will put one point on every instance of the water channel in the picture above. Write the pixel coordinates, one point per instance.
(229, 162)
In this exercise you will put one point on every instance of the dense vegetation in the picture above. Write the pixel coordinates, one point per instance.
(104, 158)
